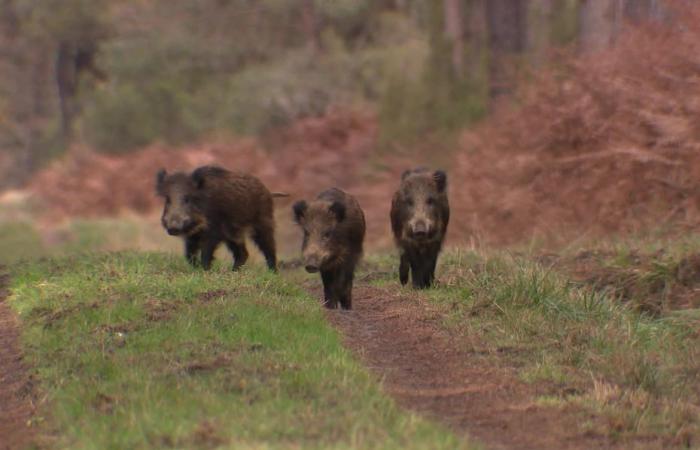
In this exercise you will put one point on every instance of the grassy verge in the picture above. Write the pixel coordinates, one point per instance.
(587, 348)
(140, 351)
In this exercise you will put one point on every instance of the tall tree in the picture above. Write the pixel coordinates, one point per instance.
(507, 22)
(539, 30)
(311, 25)
(598, 23)
(641, 10)
(454, 32)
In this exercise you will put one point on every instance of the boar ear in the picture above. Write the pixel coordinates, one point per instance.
(198, 178)
(440, 178)
(299, 209)
(160, 178)
(405, 174)
(338, 209)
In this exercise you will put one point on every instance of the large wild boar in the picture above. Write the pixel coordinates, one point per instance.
(334, 229)
(419, 217)
(213, 205)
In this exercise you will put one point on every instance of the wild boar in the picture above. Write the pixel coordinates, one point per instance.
(419, 216)
(334, 230)
(213, 205)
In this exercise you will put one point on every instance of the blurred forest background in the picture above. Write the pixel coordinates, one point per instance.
(118, 75)
(554, 118)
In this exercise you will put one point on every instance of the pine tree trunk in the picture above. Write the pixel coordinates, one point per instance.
(507, 22)
(539, 30)
(598, 24)
(454, 31)
(311, 26)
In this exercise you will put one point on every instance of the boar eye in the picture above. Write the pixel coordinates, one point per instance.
(409, 201)
(326, 235)
(186, 199)
(430, 200)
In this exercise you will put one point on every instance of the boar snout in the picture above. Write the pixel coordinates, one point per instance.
(312, 264)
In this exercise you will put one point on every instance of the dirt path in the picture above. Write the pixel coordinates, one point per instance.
(15, 400)
(401, 341)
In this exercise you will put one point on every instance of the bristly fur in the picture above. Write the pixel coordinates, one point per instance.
(212, 205)
(420, 214)
(334, 230)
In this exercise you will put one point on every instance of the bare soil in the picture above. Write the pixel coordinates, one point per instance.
(434, 374)
(16, 406)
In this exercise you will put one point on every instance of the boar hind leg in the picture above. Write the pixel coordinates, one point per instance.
(404, 265)
(192, 246)
(264, 238)
(239, 252)
(208, 248)
(330, 295)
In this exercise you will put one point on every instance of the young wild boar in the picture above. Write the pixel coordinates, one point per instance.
(212, 205)
(334, 228)
(419, 217)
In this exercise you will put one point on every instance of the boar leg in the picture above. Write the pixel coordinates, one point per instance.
(192, 245)
(264, 238)
(239, 252)
(420, 267)
(345, 288)
(208, 249)
(430, 276)
(403, 268)
(330, 295)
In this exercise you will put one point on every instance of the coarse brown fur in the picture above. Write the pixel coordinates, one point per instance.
(420, 213)
(213, 205)
(334, 229)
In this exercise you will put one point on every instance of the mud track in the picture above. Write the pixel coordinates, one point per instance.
(426, 370)
(15, 385)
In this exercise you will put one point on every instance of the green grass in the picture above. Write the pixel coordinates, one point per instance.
(638, 371)
(141, 351)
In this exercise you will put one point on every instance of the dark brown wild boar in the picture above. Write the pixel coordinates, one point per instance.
(419, 216)
(334, 229)
(213, 205)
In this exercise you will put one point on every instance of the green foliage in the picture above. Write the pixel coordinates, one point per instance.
(142, 351)
(564, 21)
(64, 20)
(180, 70)
(124, 117)
(439, 101)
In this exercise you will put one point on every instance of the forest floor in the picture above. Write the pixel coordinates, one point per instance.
(507, 351)
(400, 339)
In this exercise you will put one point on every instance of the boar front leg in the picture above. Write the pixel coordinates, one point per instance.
(404, 266)
(329, 278)
(192, 246)
(208, 248)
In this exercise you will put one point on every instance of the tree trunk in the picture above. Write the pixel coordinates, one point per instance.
(638, 10)
(454, 31)
(539, 30)
(311, 26)
(476, 39)
(67, 84)
(598, 24)
(507, 22)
